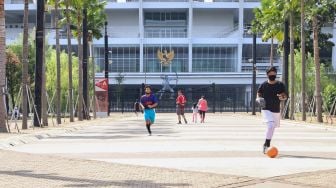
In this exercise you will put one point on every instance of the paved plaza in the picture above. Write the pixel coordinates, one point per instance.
(225, 151)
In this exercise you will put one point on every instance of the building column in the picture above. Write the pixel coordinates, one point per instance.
(241, 34)
(141, 36)
(190, 20)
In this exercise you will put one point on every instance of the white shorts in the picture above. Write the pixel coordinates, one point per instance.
(271, 118)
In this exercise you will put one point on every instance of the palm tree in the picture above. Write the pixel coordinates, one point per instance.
(318, 14)
(95, 11)
(303, 63)
(292, 68)
(3, 113)
(25, 67)
(96, 20)
(68, 23)
(58, 62)
(317, 70)
(77, 18)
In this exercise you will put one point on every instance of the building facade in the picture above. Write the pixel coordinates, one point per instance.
(209, 38)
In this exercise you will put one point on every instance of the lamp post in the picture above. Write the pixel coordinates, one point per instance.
(254, 69)
(106, 70)
(39, 62)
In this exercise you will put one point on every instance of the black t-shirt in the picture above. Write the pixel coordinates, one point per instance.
(269, 93)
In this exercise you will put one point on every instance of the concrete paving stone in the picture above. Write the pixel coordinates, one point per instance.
(225, 151)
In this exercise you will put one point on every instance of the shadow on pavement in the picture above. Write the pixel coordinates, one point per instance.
(82, 182)
(306, 157)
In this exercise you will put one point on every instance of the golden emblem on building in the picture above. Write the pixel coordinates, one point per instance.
(165, 57)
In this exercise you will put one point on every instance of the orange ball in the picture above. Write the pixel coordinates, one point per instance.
(272, 152)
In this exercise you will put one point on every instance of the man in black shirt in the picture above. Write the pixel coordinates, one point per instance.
(269, 95)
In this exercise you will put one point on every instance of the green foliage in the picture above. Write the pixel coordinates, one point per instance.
(51, 74)
(310, 75)
(95, 15)
(16, 47)
(13, 74)
(329, 95)
(50, 56)
(269, 18)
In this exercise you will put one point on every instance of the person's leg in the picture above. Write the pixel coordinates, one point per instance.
(147, 121)
(178, 112)
(179, 118)
(182, 114)
(203, 116)
(148, 124)
(269, 119)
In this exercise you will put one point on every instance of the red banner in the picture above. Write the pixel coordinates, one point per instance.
(101, 96)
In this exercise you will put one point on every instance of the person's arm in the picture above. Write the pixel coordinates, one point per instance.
(153, 105)
(282, 95)
(155, 101)
(260, 92)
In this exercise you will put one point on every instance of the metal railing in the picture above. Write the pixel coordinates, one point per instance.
(17, 1)
(214, 1)
(217, 101)
(165, 33)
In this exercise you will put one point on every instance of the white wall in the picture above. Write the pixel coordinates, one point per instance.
(127, 27)
(212, 23)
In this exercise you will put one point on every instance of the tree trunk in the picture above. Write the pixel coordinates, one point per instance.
(292, 68)
(3, 113)
(93, 80)
(80, 73)
(58, 68)
(317, 71)
(303, 64)
(272, 55)
(25, 67)
(70, 94)
(44, 89)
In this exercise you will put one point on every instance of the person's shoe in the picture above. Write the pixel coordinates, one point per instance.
(179, 122)
(265, 149)
(186, 122)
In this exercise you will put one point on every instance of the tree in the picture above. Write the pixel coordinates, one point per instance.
(51, 70)
(67, 4)
(95, 10)
(13, 74)
(291, 7)
(319, 13)
(96, 21)
(55, 3)
(303, 62)
(268, 20)
(25, 67)
(3, 112)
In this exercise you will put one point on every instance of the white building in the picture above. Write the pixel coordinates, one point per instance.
(209, 38)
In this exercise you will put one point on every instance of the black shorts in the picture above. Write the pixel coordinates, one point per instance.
(180, 110)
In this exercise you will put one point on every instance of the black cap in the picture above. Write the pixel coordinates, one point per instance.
(270, 69)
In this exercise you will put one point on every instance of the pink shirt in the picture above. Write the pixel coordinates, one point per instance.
(202, 105)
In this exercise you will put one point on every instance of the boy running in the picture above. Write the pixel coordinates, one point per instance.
(269, 95)
(148, 102)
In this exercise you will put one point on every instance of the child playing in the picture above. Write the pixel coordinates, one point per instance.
(195, 112)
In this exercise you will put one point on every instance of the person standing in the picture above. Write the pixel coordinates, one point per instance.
(202, 107)
(137, 107)
(269, 95)
(194, 109)
(148, 102)
(180, 104)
